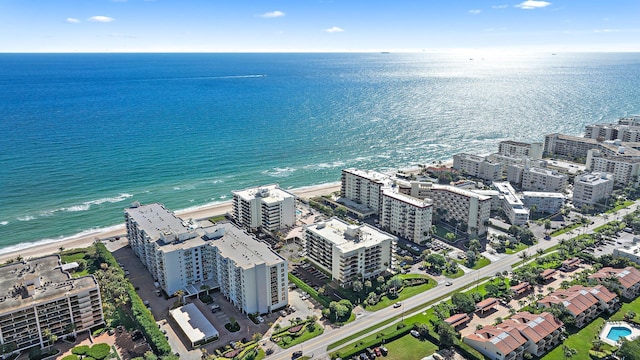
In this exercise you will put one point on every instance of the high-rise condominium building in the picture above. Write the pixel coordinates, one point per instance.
(349, 252)
(181, 255)
(38, 296)
(267, 207)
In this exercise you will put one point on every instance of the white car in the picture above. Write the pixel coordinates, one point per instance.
(260, 319)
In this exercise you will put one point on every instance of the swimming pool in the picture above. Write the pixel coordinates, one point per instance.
(616, 332)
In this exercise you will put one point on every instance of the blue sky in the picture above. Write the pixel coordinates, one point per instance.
(317, 25)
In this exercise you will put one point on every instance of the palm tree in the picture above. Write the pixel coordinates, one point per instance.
(49, 337)
(180, 293)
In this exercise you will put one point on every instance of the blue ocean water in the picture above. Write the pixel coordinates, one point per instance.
(83, 135)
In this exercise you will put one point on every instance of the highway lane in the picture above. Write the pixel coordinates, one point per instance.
(318, 345)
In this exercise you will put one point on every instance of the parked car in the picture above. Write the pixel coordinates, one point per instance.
(260, 319)
(384, 350)
(415, 333)
(397, 305)
(296, 354)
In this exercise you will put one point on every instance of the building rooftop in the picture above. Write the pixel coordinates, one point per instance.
(244, 249)
(193, 323)
(38, 280)
(159, 223)
(370, 175)
(410, 200)
(455, 190)
(543, 194)
(347, 237)
(268, 193)
(592, 178)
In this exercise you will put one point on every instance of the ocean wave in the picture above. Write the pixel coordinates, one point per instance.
(3, 223)
(321, 166)
(87, 204)
(26, 218)
(279, 172)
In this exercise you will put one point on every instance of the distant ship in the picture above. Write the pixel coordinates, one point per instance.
(384, 52)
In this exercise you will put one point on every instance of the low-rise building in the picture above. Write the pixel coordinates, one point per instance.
(477, 166)
(497, 343)
(631, 252)
(625, 170)
(539, 179)
(590, 188)
(583, 303)
(406, 216)
(544, 202)
(268, 207)
(628, 277)
(38, 296)
(542, 331)
(521, 149)
(512, 206)
(349, 252)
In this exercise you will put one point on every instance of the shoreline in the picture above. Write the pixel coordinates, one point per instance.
(86, 238)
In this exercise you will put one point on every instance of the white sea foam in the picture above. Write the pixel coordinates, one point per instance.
(279, 172)
(87, 204)
(26, 218)
(320, 166)
(3, 223)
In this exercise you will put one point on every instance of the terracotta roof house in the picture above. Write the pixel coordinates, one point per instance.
(582, 302)
(542, 331)
(457, 320)
(570, 264)
(496, 343)
(548, 274)
(629, 278)
(487, 304)
(521, 288)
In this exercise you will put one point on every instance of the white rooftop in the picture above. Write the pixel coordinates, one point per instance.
(158, 222)
(193, 323)
(347, 237)
(406, 198)
(543, 194)
(371, 175)
(243, 248)
(268, 193)
(593, 178)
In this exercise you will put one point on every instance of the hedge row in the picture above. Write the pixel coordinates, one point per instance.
(361, 346)
(141, 314)
(323, 300)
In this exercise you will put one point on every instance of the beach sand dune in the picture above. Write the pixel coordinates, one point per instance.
(39, 250)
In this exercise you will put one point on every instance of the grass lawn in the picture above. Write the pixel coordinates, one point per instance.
(304, 337)
(516, 249)
(218, 218)
(481, 262)
(406, 292)
(580, 341)
(73, 257)
(565, 229)
(633, 306)
(620, 206)
(399, 348)
(455, 275)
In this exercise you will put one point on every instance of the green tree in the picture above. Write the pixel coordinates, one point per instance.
(629, 350)
(357, 286)
(448, 335)
(394, 284)
(463, 302)
(568, 352)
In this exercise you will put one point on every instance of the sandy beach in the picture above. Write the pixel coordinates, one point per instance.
(205, 212)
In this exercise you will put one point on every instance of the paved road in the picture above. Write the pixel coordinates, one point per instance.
(318, 346)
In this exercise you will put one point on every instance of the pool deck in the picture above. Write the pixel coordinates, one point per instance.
(635, 331)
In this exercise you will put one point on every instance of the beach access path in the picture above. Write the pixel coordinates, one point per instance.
(39, 250)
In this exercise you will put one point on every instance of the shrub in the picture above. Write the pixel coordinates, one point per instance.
(80, 350)
(71, 357)
(99, 351)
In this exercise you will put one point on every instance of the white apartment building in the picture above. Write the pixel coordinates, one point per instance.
(544, 202)
(538, 179)
(624, 170)
(589, 188)
(406, 216)
(251, 276)
(477, 166)
(451, 203)
(364, 187)
(520, 149)
(512, 206)
(577, 147)
(631, 252)
(38, 294)
(267, 207)
(180, 255)
(506, 161)
(349, 252)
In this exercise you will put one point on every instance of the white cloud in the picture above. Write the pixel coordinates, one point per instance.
(606, 30)
(333, 29)
(100, 18)
(533, 4)
(475, 11)
(272, 14)
(72, 20)
(503, 6)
